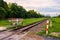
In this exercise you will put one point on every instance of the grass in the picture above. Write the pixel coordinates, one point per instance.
(25, 22)
(54, 28)
(4, 22)
(31, 20)
(56, 25)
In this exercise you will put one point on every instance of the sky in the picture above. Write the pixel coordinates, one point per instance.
(45, 7)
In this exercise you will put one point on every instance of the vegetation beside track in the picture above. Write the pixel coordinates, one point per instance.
(55, 25)
(53, 30)
(25, 22)
(31, 20)
(4, 22)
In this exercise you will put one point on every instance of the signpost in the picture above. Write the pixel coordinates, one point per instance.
(15, 21)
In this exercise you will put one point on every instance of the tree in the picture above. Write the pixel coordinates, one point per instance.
(2, 13)
(58, 16)
(3, 7)
(12, 10)
(3, 4)
(31, 13)
(17, 11)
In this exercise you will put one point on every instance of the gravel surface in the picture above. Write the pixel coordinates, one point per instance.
(32, 37)
(4, 34)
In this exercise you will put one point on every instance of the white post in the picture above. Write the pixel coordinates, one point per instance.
(17, 21)
(50, 23)
(47, 27)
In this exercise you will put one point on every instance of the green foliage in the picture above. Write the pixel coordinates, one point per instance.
(4, 22)
(12, 10)
(25, 22)
(58, 16)
(32, 13)
(31, 20)
(56, 24)
(2, 13)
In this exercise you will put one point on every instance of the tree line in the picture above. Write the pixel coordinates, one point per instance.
(58, 16)
(12, 10)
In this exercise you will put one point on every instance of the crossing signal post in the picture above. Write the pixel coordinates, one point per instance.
(47, 25)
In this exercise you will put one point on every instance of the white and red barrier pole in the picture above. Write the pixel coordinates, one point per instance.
(47, 24)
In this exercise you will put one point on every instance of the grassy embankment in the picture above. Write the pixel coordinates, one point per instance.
(54, 30)
(29, 21)
(6, 23)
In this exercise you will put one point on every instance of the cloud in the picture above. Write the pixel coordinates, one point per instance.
(57, 1)
(33, 3)
(50, 13)
(48, 9)
(36, 3)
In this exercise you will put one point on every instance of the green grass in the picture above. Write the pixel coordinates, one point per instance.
(4, 22)
(25, 21)
(55, 28)
(31, 20)
(55, 25)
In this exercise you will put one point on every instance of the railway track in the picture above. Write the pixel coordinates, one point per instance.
(20, 31)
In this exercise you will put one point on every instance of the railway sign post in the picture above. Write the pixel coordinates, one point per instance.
(47, 24)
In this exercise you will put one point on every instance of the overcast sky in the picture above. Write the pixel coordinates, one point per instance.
(46, 7)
